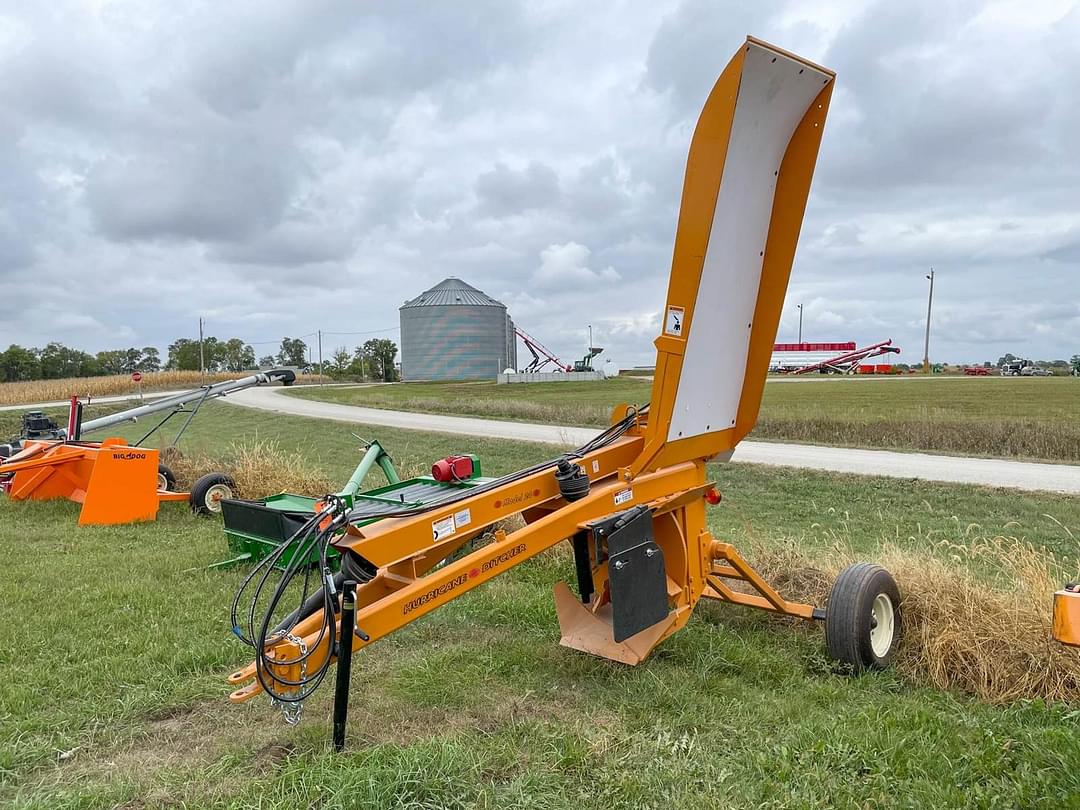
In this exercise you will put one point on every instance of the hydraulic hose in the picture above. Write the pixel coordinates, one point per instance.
(314, 537)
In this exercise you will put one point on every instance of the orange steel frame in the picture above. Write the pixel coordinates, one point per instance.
(406, 587)
(115, 482)
(641, 467)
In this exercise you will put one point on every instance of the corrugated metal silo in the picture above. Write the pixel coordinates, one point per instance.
(455, 332)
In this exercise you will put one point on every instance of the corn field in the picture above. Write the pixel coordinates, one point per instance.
(33, 391)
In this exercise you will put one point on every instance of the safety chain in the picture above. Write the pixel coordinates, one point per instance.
(292, 710)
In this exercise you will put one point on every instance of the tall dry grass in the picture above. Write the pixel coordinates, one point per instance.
(1008, 438)
(259, 467)
(976, 616)
(32, 391)
(262, 467)
(938, 430)
(550, 413)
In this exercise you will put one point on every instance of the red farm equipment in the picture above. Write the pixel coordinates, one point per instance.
(853, 362)
(541, 354)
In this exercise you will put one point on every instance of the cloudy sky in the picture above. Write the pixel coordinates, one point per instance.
(283, 167)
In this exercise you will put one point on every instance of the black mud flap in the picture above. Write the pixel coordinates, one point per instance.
(636, 571)
(255, 518)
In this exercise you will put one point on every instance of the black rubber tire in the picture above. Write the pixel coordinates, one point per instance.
(170, 480)
(849, 616)
(200, 497)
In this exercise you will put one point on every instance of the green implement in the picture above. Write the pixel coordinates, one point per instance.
(256, 528)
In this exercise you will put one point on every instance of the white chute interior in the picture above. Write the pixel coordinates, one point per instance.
(774, 95)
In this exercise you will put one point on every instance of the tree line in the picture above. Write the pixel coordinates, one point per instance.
(1070, 366)
(373, 360)
(1059, 367)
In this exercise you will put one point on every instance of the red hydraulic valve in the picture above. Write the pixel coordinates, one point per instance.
(452, 468)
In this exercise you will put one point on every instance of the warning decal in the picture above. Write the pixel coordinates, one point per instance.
(441, 529)
(673, 323)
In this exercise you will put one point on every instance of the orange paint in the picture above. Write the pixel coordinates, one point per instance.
(115, 482)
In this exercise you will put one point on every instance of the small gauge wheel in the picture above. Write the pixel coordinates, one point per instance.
(209, 491)
(863, 617)
(166, 480)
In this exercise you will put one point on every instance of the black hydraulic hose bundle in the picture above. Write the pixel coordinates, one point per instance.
(311, 536)
(315, 536)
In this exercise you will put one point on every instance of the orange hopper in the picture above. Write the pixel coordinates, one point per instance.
(114, 482)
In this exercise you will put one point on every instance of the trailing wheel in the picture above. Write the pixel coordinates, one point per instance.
(862, 617)
(208, 492)
(166, 481)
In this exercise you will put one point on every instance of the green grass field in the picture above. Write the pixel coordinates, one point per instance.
(1029, 417)
(116, 645)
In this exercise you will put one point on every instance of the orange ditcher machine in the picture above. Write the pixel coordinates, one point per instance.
(116, 482)
(631, 502)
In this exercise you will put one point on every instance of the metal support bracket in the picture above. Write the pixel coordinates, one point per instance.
(636, 572)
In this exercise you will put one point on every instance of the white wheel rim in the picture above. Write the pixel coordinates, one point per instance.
(214, 496)
(162, 482)
(882, 625)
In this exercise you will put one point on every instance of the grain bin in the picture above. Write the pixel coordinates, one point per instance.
(455, 332)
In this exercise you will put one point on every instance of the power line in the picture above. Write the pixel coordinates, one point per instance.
(368, 332)
(278, 340)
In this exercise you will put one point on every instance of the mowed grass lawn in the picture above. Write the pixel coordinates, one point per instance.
(116, 646)
(1027, 417)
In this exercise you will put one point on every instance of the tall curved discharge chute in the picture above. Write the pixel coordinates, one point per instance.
(747, 180)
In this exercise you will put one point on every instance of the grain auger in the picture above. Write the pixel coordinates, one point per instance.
(631, 502)
(115, 482)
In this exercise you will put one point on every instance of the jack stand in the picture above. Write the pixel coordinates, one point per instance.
(344, 668)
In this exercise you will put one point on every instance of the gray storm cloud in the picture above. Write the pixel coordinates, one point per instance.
(280, 168)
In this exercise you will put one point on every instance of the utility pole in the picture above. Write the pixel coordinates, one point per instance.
(202, 360)
(800, 322)
(929, 304)
(320, 358)
(590, 337)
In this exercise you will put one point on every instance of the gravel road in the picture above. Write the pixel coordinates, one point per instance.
(1023, 475)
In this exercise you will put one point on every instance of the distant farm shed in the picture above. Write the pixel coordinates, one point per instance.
(455, 332)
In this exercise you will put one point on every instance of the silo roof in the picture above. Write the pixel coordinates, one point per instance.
(452, 292)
